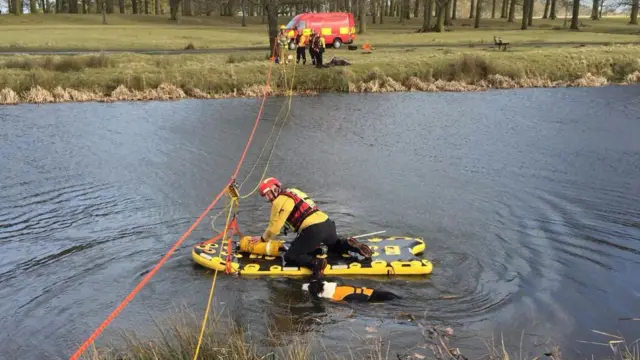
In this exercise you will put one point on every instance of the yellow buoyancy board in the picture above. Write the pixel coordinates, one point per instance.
(391, 256)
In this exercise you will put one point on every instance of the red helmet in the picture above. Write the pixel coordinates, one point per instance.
(267, 184)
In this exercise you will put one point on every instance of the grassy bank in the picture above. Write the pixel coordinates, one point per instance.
(290, 339)
(85, 31)
(42, 79)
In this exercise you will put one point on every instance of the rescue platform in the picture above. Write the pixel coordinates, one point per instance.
(391, 256)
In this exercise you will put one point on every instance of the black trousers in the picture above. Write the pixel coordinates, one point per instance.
(302, 250)
(300, 54)
(319, 58)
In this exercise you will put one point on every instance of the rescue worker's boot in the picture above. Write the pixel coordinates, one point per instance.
(359, 247)
(318, 268)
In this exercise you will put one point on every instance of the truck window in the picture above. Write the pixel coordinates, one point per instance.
(302, 25)
(292, 22)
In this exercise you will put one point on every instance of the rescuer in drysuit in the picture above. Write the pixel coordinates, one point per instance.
(294, 210)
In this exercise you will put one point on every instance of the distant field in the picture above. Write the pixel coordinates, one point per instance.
(128, 32)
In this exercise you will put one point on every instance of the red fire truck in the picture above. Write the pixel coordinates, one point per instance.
(337, 27)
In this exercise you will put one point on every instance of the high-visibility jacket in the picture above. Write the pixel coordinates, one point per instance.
(302, 41)
(292, 213)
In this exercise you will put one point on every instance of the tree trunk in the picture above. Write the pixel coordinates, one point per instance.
(416, 9)
(272, 17)
(407, 9)
(263, 11)
(493, 9)
(73, 6)
(109, 6)
(103, 10)
(123, 7)
(600, 13)
(552, 10)
(546, 9)
(174, 6)
(512, 11)
(576, 13)
(530, 12)
(99, 6)
(363, 19)
(594, 10)
(634, 13)
(146, 7)
(383, 7)
(442, 6)
(134, 7)
(244, 13)
(447, 14)
(525, 14)
(426, 16)
(478, 13)
(454, 10)
(156, 4)
(33, 6)
(374, 11)
(505, 9)
(472, 9)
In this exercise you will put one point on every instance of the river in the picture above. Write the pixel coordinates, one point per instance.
(529, 202)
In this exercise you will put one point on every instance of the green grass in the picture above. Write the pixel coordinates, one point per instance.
(213, 75)
(81, 31)
(284, 337)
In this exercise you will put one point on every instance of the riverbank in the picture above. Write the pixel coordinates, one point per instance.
(132, 77)
(224, 338)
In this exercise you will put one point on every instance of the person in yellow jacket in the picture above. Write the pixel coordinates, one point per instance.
(296, 212)
(301, 43)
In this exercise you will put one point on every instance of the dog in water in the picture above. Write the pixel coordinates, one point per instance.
(332, 290)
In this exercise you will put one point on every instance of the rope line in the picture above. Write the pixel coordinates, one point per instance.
(213, 284)
(286, 118)
(290, 95)
(153, 271)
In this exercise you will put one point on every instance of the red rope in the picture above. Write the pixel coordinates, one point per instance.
(146, 279)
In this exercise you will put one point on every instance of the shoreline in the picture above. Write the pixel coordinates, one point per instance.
(171, 92)
(136, 77)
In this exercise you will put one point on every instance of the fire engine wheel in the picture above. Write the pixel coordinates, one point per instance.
(337, 43)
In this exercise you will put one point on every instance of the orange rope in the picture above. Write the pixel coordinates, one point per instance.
(146, 279)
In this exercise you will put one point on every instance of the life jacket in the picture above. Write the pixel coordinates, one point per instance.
(303, 207)
(346, 292)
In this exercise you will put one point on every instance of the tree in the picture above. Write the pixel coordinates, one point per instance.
(493, 9)
(525, 14)
(594, 10)
(442, 8)
(576, 13)
(546, 9)
(363, 19)
(512, 11)
(472, 9)
(271, 6)
(552, 10)
(634, 12)
(478, 13)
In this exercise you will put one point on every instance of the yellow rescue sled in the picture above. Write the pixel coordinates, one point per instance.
(392, 256)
